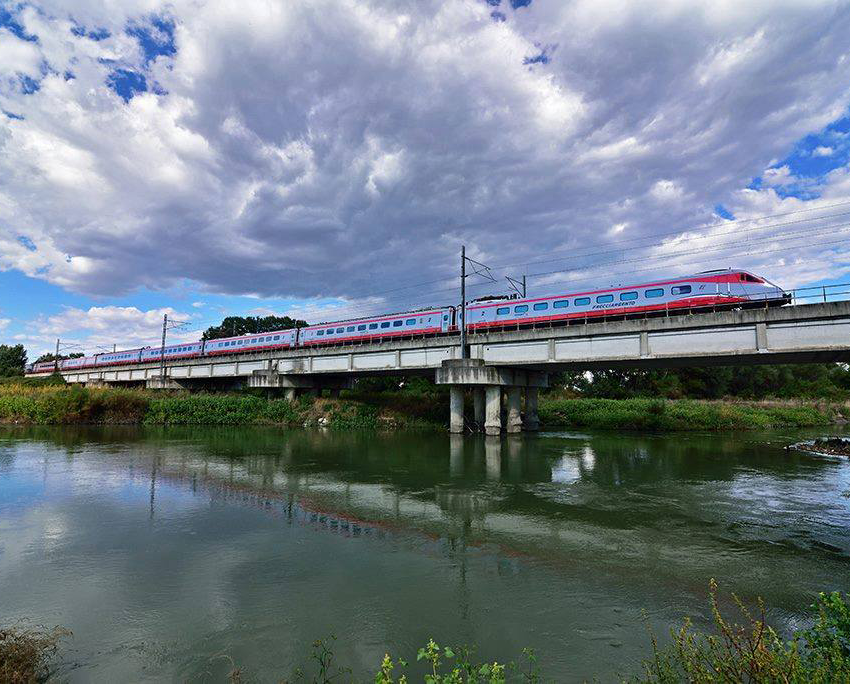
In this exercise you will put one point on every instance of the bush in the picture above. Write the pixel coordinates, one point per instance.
(25, 654)
(754, 652)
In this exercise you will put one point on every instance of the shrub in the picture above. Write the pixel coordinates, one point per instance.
(25, 654)
(754, 652)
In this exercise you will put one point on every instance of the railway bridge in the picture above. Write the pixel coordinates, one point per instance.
(502, 366)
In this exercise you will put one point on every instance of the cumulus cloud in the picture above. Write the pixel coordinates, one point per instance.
(98, 328)
(346, 149)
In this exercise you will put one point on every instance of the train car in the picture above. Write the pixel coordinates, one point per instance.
(428, 322)
(279, 339)
(44, 367)
(79, 362)
(172, 351)
(710, 289)
(118, 357)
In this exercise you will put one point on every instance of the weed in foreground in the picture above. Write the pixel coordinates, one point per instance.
(26, 653)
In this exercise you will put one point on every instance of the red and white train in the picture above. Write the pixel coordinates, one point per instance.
(703, 291)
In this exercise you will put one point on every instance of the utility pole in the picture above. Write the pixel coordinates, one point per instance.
(477, 269)
(464, 354)
(56, 358)
(162, 348)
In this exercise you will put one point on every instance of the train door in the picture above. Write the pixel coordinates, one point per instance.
(448, 319)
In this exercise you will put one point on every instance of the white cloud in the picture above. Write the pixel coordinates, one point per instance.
(17, 56)
(100, 327)
(822, 151)
(333, 149)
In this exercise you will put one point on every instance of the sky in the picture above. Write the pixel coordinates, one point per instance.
(328, 158)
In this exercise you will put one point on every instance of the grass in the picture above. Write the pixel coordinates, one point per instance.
(52, 404)
(26, 654)
(682, 414)
(49, 403)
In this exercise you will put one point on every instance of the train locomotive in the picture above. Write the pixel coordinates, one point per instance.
(709, 290)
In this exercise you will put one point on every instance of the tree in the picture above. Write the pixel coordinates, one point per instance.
(13, 360)
(61, 357)
(239, 325)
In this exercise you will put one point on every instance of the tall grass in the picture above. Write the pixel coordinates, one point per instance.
(73, 404)
(664, 415)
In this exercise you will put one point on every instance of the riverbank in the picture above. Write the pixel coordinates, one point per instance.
(69, 405)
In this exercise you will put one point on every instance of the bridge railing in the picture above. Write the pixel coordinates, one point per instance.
(838, 292)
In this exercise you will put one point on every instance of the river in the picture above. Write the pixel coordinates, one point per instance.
(172, 553)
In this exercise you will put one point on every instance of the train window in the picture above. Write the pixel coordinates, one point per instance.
(655, 292)
(628, 296)
(361, 327)
(330, 331)
(604, 299)
(373, 326)
(680, 289)
(521, 309)
(385, 324)
(350, 328)
(582, 301)
(340, 330)
(398, 324)
(320, 332)
(561, 304)
(540, 306)
(410, 321)
(503, 311)
(277, 337)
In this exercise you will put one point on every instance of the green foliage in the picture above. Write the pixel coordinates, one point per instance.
(753, 651)
(13, 360)
(247, 325)
(218, 409)
(661, 415)
(813, 381)
(51, 404)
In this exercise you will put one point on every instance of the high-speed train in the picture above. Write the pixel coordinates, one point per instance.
(702, 291)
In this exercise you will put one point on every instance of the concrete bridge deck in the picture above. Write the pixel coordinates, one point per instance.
(520, 358)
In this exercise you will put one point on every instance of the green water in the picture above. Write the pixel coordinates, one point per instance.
(169, 552)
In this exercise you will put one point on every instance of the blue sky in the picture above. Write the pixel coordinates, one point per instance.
(326, 159)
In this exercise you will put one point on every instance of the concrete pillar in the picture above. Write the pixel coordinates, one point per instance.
(456, 408)
(514, 413)
(290, 394)
(493, 410)
(478, 402)
(532, 420)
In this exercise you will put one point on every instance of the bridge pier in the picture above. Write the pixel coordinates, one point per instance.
(487, 383)
(456, 408)
(493, 421)
(514, 414)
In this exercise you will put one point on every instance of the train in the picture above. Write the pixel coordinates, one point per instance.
(708, 290)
